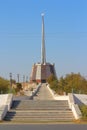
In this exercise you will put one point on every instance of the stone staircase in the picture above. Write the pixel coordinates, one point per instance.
(39, 111)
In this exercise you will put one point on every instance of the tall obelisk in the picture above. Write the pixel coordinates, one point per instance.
(41, 71)
(43, 51)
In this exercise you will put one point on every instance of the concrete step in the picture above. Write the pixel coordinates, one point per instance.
(49, 110)
(39, 104)
(40, 119)
(40, 111)
(39, 114)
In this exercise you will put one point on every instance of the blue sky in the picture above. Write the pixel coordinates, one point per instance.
(65, 31)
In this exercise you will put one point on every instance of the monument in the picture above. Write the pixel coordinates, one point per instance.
(41, 71)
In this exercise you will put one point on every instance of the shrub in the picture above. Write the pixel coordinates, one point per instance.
(83, 109)
(4, 85)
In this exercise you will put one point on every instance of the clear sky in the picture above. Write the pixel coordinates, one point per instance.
(65, 32)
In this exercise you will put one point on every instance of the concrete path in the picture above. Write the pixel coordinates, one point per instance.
(43, 94)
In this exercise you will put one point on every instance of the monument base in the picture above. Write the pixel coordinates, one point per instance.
(41, 72)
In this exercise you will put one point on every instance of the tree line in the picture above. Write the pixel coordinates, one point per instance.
(5, 86)
(71, 83)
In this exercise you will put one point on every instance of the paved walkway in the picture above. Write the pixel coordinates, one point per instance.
(43, 94)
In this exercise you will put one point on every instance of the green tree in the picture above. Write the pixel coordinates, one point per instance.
(54, 85)
(51, 78)
(18, 87)
(73, 83)
(70, 83)
(4, 85)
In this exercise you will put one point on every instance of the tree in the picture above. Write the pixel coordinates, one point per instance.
(73, 83)
(4, 85)
(54, 85)
(18, 87)
(51, 78)
(70, 83)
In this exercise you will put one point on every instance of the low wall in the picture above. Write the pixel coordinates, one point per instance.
(51, 91)
(5, 104)
(74, 107)
(80, 99)
(3, 111)
(76, 111)
(35, 91)
(3, 99)
(55, 96)
(70, 98)
(6, 99)
(9, 101)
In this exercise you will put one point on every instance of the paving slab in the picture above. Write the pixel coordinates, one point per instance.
(44, 94)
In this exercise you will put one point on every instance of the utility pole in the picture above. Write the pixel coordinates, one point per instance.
(26, 79)
(23, 81)
(23, 78)
(10, 82)
(18, 77)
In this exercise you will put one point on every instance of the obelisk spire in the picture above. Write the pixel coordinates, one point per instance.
(43, 51)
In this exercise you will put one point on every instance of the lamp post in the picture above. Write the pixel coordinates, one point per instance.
(10, 82)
